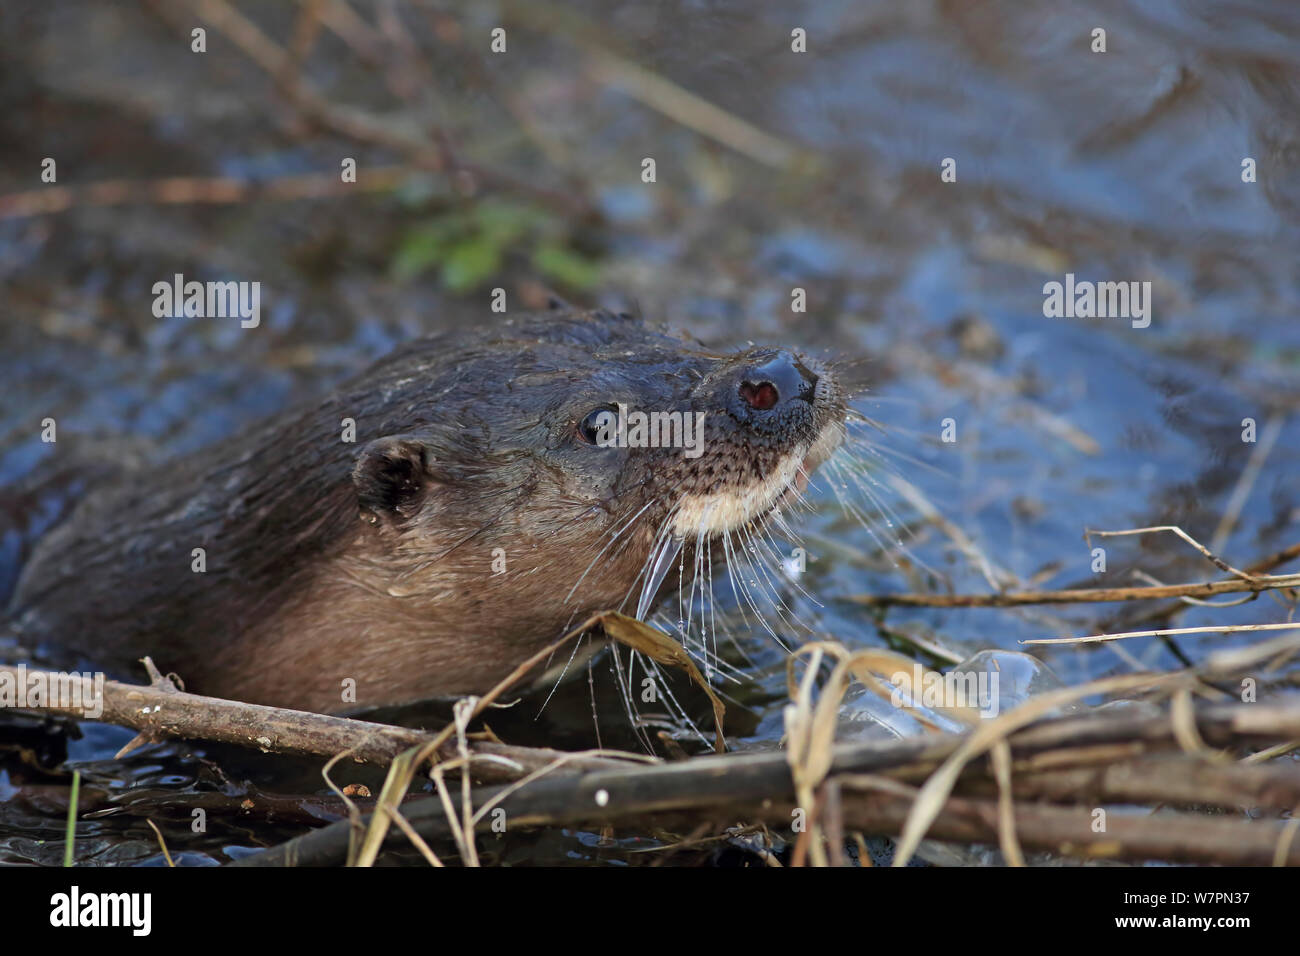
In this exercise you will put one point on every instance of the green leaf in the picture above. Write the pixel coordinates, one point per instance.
(469, 263)
(504, 222)
(421, 248)
(565, 266)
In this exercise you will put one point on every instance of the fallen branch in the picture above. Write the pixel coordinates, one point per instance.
(161, 710)
(759, 787)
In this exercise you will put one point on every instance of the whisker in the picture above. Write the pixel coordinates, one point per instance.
(629, 703)
(568, 597)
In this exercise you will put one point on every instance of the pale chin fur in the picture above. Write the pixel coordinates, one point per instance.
(721, 512)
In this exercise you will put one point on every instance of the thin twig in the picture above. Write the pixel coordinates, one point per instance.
(1253, 583)
(1164, 632)
(1174, 529)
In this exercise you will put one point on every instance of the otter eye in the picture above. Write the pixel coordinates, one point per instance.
(589, 427)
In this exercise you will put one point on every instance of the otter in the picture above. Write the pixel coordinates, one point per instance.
(477, 515)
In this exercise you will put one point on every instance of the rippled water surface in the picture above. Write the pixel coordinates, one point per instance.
(774, 169)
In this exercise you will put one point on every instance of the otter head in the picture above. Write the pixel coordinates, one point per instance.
(552, 468)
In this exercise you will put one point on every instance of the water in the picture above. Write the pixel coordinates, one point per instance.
(1115, 166)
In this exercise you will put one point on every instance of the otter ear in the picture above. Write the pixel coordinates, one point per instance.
(391, 475)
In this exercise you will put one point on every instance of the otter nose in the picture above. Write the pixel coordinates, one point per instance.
(778, 379)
